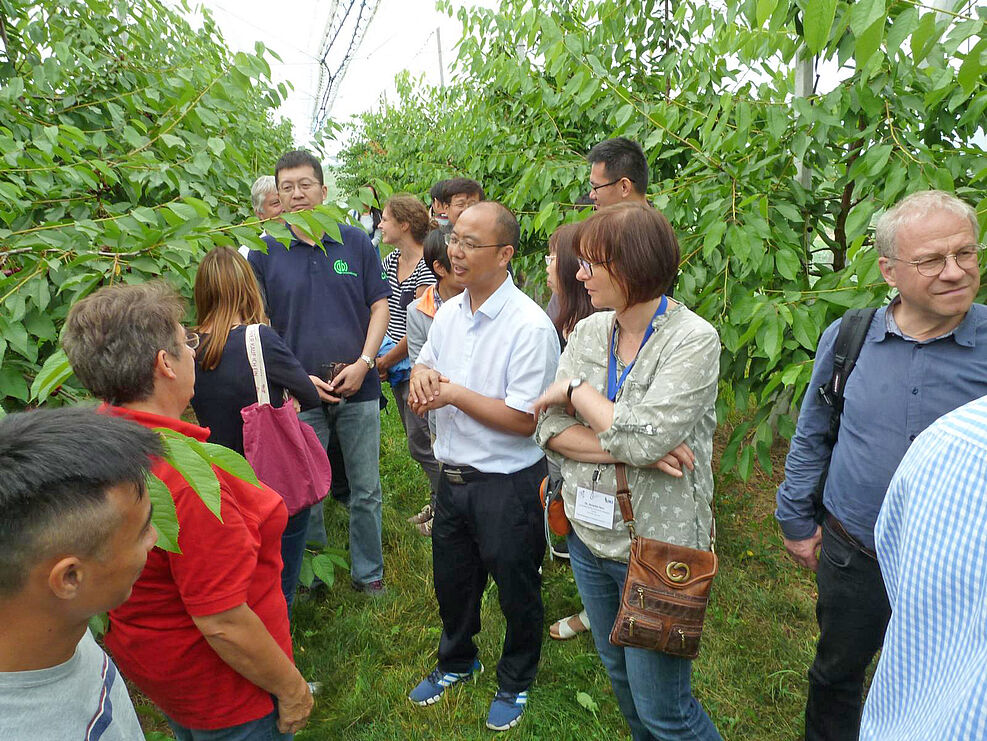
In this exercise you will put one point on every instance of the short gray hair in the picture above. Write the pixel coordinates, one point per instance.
(916, 206)
(112, 338)
(261, 187)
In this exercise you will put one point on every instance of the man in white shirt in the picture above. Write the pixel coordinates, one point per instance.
(75, 531)
(490, 353)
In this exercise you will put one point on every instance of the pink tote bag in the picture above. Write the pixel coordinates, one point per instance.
(284, 451)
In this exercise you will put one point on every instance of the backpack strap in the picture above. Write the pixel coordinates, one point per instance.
(846, 350)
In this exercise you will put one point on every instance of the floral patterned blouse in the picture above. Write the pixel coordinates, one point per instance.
(668, 397)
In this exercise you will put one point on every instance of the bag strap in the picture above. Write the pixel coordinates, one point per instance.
(624, 497)
(846, 350)
(255, 356)
(627, 511)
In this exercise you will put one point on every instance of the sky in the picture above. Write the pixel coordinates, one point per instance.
(401, 35)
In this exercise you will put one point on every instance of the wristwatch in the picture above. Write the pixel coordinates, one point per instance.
(573, 385)
(371, 362)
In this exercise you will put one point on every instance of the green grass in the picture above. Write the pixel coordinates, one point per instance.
(750, 676)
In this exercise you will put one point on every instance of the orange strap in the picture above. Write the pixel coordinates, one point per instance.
(427, 305)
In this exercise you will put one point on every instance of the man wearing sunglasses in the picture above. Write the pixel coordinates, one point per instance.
(618, 172)
(924, 355)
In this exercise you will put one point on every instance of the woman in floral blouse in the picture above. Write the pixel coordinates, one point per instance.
(636, 384)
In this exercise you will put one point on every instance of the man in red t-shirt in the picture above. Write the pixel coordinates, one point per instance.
(205, 633)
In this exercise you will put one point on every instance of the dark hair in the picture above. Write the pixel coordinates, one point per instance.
(574, 302)
(457, 186)
(435, 251)
(298, 158)
(113, 336)
(56, 466)
(638, 246)
(622, 158)
(407, 209)
(507, 230)
(437, 192)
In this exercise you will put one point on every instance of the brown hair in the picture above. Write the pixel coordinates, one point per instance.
(406, 209)
(112, 338)
(574, 302)
(638, 246)
(226, 292)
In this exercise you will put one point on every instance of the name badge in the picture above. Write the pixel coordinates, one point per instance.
(595, 507)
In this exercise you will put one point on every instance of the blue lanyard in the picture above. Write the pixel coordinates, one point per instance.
(614, 384)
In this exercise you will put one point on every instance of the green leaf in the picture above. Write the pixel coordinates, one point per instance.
(217, 145)
(865, 13)
(788, 263)
(587, 702)
(972, 71)
(190, 460)
(817, 22)
(764, 10)
(230, 461)
(53, 374)
(164, 517)
(323, 567)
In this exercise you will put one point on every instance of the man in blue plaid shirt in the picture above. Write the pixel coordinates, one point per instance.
(931, 536)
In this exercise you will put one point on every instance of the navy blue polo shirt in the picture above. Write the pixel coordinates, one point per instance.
(319, 302)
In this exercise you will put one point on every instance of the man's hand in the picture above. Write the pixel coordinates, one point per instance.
(555, 395)
(677, 459)
(424, 387)
(805, 552)
(384, 363)
(349, 380)
(324, 389)
(295, 707)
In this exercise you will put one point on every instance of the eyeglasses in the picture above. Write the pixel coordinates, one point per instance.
(549, 259)
(931, 266)
(192, 340)
(595, 188)
(286, 189)
(588, 266)
(453, 240)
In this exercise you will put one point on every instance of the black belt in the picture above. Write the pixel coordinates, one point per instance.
(465, 474)
(837, 527)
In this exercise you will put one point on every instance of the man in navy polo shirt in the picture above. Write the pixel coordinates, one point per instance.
(329, 303)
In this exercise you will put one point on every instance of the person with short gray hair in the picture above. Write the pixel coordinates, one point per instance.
(75, 531)
(205, 632)
(265, 201)
(924, 355)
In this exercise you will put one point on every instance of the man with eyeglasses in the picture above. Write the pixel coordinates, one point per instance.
(924, 355)
(618, 172)
(328, 300)
(490, 353)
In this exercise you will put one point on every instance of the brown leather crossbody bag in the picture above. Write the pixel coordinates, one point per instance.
(666, 590)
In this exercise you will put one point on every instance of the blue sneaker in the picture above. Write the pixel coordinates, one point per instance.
(506, 710)
(430, 689)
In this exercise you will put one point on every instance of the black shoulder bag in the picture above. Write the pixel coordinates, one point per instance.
(846, 350)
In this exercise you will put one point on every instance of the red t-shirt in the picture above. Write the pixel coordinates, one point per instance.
(222, 565)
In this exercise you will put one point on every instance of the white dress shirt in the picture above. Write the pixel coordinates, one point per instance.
(508, 349)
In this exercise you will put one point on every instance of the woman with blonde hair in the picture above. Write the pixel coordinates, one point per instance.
(227, 301)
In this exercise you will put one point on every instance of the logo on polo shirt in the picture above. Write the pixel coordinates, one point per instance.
(342, 268)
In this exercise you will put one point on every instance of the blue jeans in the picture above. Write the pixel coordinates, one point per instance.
(262, 729)
(292, 551)
(357, 427)
(653, 689)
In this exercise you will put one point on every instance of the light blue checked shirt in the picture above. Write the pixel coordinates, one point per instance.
(931, 538)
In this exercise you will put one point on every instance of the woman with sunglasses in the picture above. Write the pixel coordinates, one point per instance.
(636, 384)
